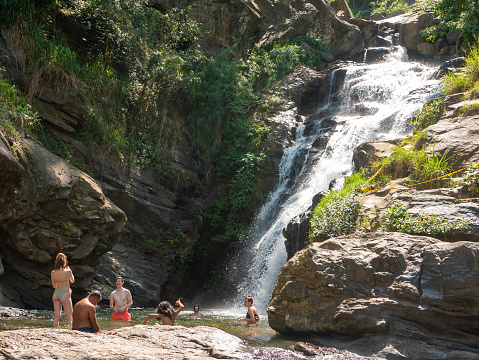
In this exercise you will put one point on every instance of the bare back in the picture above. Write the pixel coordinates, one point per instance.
(84, 315)
(61, 278)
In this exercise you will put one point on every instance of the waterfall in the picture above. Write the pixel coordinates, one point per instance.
(375, 102)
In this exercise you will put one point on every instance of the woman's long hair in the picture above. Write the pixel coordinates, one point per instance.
(60, 261)
(165, 308)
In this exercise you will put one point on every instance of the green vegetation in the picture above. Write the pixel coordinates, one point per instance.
(466, 80)
(16, 115)
(337, 212)
(389, 8)
(399, 220)
(470, 178)
(417, 165)
(459, 15)
(386, 8)
(145, 87)
(430, 114)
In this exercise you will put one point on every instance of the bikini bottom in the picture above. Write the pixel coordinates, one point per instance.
(60, 292)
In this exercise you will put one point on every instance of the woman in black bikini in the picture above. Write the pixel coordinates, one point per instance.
(252, 315)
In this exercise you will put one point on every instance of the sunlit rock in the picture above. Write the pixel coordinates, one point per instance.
(134, 342)
(413, 287)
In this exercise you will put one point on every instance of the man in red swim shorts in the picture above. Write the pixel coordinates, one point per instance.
(120, 301)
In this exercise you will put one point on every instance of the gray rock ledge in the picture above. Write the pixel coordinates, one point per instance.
(133, 342)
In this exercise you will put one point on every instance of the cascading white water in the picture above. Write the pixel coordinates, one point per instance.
(390, 93)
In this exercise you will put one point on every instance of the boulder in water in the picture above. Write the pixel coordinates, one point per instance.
(388, 284)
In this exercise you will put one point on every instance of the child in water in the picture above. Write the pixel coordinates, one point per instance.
(166, 312)
(196, 311)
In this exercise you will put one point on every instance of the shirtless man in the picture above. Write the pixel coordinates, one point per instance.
(84, 313)
(120, 301)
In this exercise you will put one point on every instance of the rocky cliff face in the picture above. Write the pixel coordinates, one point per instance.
(49, 206)
(229, 23)
(164, 213)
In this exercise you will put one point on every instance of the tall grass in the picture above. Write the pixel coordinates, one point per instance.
(467, 79)
(418, 165)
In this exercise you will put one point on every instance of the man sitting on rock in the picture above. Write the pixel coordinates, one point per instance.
(120, 301)
(84, 313)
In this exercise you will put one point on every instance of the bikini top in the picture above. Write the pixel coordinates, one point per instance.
(256, 317)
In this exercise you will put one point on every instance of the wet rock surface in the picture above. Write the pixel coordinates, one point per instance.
(10, 312)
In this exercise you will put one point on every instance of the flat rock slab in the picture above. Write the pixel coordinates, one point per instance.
(135, 342)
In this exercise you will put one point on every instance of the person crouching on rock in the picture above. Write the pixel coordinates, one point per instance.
(120, 301)
(166, 312)
(84, 313)
(252, 315)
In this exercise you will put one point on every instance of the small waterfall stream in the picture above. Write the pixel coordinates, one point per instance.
(375, 102)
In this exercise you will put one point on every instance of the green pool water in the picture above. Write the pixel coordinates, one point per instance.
(257, 335)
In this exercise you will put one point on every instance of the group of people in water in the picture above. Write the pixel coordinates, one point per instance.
(82, 317)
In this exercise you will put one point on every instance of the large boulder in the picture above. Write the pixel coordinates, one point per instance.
(143, 276)
(410, 27)
(457, 136)
(49, 206)
(388, 284)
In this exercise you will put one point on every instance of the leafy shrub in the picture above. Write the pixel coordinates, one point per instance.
(337, 212)
(55, 147)
(336, 217)
(399, 220)
(471, 179)
(430, 114)
(16, 115)
(460, 15)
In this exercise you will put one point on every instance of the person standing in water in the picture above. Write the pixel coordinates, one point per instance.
(196, 311)
(166, 312)
(120, 301)
(252, 316)
(61, 277)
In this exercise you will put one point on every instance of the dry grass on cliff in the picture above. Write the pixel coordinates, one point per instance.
(43, 66)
